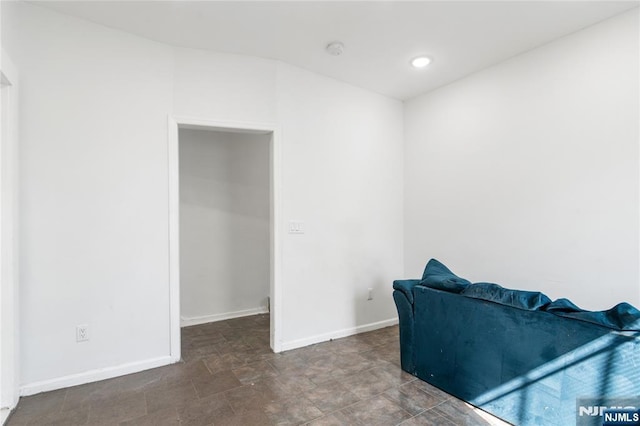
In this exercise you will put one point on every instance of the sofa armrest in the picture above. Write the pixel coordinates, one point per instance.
(406, 287)
(403, 296)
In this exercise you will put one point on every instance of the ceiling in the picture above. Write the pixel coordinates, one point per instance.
(380, 37)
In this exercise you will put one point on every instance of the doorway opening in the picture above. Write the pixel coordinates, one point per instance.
(223, 214)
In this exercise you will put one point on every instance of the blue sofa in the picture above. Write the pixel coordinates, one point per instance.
(516, 354)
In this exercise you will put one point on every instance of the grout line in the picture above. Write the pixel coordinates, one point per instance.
(206, 366)
(384, 395)
(146, 403)
(195, 389)
(64, 401)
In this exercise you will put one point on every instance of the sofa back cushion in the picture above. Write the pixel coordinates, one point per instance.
(438, 276)
(529, 300)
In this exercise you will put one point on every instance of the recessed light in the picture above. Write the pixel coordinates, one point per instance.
(420, 62)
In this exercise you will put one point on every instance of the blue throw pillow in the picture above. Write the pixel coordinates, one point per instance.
(438, 276)
(562, 305)
(623, 316)
(529, 300)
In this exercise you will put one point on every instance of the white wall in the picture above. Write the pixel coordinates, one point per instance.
(224, 224)
(93, 207)
(94, 182)
(224, 87)
(342, 175)
(526, 174)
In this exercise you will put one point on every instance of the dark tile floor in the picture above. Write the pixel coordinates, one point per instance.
(229, 376)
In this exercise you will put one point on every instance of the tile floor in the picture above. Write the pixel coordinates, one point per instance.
(229, 376)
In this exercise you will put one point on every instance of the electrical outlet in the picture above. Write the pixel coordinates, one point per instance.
(82, 333)
(370, 297)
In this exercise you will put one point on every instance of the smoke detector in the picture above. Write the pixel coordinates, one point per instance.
(335, 48)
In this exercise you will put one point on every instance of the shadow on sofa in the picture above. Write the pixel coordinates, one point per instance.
(516, 354)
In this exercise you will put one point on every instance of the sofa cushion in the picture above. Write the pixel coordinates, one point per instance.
(622, 317)
(438, 276)
(529, 300)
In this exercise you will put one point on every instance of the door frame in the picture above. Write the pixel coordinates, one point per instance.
(9, 268)
(175, 123)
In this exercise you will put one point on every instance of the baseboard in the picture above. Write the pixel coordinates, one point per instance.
(4, 415)
(93, 375)
(186, 322)
(319, 338)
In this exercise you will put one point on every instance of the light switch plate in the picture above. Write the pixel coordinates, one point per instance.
(296, 227)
